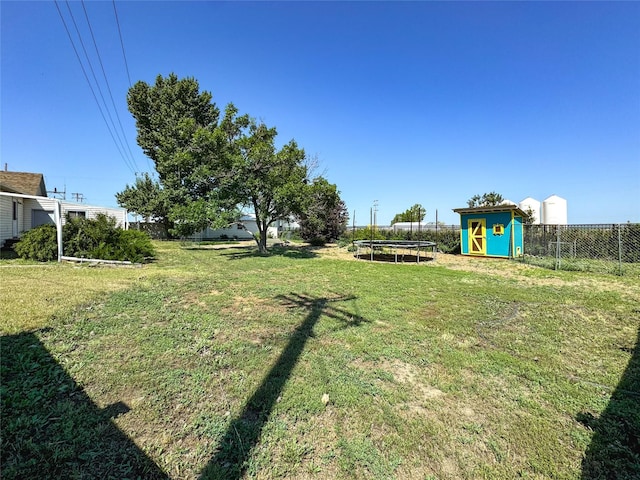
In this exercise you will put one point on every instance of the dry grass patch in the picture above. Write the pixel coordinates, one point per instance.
(458, 374)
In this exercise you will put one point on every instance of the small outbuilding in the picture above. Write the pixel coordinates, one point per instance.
(491, 231)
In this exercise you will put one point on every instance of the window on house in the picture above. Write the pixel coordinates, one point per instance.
(77, 214)
(15, 210)
(498, 229)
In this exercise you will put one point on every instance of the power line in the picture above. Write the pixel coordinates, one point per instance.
(120, 145)
(93, 93)
(104, 74)
(126, 65)
(119, 139)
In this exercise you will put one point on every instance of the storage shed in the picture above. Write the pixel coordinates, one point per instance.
(491, 231)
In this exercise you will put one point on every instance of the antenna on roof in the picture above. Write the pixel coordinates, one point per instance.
(58, 193)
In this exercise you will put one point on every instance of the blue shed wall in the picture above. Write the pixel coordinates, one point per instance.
(518, 236)
(497, 245)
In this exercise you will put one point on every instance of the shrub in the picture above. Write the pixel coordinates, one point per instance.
(90, 238)
(97, 238)
(100, 238)
(317, 242)
(38, 244)
(129, 245)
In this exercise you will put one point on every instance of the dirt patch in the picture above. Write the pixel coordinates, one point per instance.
(419, 393)
(500, 267)
(407, 374)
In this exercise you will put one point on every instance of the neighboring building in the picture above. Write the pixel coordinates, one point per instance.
(554, 211)
(24, 205)
(494, 231)
(234, 231)
(412, 227)
(533, 205)
(244, 229)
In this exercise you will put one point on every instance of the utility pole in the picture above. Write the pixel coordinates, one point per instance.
(62, 194)
(79, 197)
(375, 213)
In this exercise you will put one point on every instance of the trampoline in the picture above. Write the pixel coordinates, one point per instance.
(390, 250)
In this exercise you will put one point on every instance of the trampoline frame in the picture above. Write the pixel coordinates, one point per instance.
(395, 246)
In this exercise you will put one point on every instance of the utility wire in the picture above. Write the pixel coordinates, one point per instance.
(119, 142)
(93, 93)
(126, 65)
(108, 87)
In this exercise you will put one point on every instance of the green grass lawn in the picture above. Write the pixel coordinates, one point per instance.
(224, 364)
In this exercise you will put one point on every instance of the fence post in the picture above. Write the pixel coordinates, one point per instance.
(619, 249)
(558, 247)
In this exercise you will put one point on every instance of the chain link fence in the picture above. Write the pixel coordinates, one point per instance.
(604, 248)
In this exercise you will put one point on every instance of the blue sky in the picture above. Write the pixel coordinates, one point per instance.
(400, 102)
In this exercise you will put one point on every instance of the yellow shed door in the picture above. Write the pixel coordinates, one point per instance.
(477, 236)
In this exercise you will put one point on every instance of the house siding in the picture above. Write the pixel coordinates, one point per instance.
(6, 225)
(28, 204)
(91, 212)
(235, 231)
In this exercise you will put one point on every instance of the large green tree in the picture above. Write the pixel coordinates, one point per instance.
(324, 215)
(270, 181)
(209, 166)
(414, 214)
(178, 128)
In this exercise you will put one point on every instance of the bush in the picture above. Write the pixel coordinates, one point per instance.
(134, 246)
(97, 238)
(317, 242)
(38, 244)
(90, 238)
(100, 238)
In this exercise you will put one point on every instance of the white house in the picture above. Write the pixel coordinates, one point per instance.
(245, 229)
(241, 230)
(24, 205)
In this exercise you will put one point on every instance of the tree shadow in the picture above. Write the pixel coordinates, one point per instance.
(614, 452)
(243, 434)
(391, 258)
(287, 251)
(52, 429)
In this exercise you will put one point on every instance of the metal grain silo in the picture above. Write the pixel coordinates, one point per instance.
(534, 205)
(554, 211)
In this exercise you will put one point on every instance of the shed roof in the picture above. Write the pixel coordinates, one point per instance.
(490, 209)
(23, 182)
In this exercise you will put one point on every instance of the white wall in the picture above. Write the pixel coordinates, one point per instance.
(535, 206)
(92, 211)
(233, 231)
(6, 219)
(554, 211)
(27, 204)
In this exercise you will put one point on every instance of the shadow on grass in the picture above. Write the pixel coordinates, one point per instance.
(392, 258)
(614, 452)
(51, 428)
(8, 254)
(294, 252)
(243, 434)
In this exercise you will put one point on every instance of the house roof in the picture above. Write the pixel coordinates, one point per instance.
(23, 182)
(490, 209)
